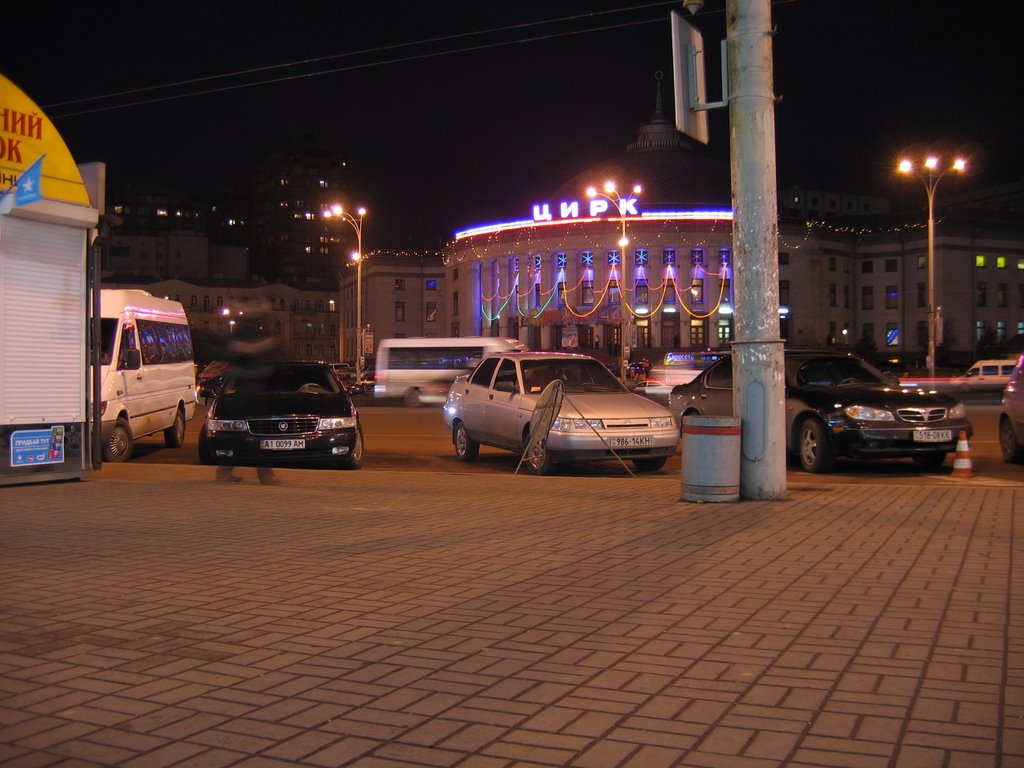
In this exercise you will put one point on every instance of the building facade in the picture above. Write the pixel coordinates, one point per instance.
(304, 321)
(559, 278)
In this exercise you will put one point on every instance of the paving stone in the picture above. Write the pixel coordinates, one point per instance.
(404, 623)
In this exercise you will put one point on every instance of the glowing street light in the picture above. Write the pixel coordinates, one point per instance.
(622, 205)
(930, 173)
(357, 224)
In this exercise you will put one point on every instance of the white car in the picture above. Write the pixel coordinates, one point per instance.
(599, 418)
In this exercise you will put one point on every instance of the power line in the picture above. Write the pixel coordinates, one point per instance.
(353, 67)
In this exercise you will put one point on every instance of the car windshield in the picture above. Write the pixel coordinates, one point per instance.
(836, 372)
(305, 379)
(575, 375)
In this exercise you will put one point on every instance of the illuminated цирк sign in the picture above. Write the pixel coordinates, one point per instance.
(570, 209)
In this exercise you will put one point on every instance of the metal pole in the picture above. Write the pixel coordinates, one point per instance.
(930, 173)
(931, 279)
(359, 304)
(758, 372)
(341, 319)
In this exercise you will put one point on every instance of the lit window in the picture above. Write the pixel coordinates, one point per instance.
(979, 261)
(1000, 262)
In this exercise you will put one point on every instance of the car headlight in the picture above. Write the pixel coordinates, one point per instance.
(867, 413)
(339, 422)
(227, 425)
(663, 421)
(958, 411)
(566, 424)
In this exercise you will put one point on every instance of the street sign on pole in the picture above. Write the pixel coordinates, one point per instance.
(688, 78)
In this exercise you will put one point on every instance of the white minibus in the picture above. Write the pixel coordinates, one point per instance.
(990, 375)
(420, 370)
(148, 375)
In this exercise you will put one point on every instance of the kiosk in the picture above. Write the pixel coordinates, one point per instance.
(49, 211)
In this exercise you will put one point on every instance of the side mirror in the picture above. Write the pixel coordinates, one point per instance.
(132, 360)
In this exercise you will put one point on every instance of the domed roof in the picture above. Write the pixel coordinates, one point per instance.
(672, 170)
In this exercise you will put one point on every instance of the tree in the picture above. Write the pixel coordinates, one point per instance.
(988, 346)
(866, 347)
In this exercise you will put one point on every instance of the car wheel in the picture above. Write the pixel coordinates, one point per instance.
(649, 465)
(814, 448)
(174, 435)
(1013, 452)
(539, 459)
(411, 399)
(120, 444)
(466, 448)
(205, 454)
(929, 461)
(354, 459)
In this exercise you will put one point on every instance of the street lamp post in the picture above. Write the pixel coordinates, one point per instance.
(622, 204)
(357, 225)
(930, 173)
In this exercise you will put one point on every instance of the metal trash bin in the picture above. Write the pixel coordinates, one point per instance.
(711, 458)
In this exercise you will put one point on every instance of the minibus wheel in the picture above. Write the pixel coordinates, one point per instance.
(174, 435)
(120, 444)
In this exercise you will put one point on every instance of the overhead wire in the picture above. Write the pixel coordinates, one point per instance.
(348, 68)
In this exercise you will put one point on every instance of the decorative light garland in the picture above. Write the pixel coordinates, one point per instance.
(604, 294)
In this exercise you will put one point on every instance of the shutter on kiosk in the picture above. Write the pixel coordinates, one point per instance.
(42, 322)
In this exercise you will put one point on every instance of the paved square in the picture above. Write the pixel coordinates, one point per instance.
(379, 619)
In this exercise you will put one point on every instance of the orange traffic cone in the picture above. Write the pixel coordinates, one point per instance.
(962, 463)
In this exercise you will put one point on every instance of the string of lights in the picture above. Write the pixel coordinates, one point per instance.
(602, 295)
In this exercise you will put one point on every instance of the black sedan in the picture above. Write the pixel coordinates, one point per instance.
(289, 413)
(840, 405)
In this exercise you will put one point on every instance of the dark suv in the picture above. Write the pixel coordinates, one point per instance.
(840, 405)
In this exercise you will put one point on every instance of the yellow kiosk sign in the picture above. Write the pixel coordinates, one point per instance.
(28, 136)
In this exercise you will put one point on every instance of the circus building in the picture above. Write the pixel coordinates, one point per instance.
(654, 267)
(638, 248)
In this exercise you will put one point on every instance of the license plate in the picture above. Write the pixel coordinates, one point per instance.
(631, 442)
(933, 435)
(282, 445)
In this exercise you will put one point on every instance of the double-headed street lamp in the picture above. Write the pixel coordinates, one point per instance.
(930, 173)
(357, 224)
(623, 205)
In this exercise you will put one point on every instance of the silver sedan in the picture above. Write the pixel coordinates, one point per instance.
(598, 417)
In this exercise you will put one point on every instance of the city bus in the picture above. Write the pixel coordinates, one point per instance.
(419, 370)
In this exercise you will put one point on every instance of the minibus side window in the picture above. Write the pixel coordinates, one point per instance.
(127, 344)
(108, 330)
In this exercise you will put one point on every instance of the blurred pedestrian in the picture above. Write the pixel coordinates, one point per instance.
(250, 350)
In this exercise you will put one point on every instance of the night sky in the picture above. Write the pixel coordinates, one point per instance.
(453, 116)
